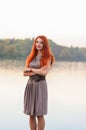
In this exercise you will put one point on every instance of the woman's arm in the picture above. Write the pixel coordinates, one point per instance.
(28, 72)
(42, 71)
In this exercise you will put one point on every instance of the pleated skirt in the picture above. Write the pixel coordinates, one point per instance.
(36, 98)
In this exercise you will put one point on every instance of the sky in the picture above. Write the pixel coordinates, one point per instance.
(63, 21)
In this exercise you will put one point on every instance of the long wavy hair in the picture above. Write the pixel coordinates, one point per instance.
(46, 52)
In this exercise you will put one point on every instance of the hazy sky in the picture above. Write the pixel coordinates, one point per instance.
(63, 21)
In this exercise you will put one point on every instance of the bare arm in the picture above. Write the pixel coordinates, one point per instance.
(28, 72)
(42, 71)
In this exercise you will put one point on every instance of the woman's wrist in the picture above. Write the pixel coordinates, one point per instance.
(30, 69)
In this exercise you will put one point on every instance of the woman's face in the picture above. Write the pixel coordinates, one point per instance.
(39, 44)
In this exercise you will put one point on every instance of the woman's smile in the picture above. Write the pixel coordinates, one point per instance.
(38, 46)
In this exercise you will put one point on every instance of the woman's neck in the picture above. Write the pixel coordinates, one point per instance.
(39, 53)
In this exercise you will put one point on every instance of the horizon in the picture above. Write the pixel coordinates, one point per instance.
(61, 42)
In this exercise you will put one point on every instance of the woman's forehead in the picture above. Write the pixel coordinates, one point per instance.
(39, 39)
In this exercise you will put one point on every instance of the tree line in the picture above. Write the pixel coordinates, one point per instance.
(20, 48)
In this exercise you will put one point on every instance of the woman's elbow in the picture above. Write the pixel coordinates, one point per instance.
(45, 73)
(24, 74)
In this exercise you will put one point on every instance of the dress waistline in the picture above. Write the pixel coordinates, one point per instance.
(37, 77)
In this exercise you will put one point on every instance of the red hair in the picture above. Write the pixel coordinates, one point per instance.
(46, 52)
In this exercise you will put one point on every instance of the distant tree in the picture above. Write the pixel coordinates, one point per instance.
(20, 48)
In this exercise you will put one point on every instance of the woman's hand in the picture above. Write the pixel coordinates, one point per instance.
(27, 70)
(28, 73)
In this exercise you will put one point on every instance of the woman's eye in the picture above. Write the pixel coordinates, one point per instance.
(39, 42)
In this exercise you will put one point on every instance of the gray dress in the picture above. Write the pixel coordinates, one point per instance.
(36, 94)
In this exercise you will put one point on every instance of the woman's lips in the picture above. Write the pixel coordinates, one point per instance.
(38, 46)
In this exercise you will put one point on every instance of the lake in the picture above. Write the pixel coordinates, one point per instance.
(66, 96)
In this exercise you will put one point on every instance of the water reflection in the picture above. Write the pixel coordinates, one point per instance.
(66, 94)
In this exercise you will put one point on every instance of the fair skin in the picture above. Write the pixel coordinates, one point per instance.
(42, 71)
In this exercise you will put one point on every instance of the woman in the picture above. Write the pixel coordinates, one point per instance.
(38, 64)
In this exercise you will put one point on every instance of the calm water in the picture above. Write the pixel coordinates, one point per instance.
(66, 96)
